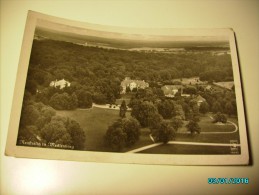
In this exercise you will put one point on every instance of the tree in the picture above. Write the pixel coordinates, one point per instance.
(204, 107)
(31, 86)
(196, 113)
(28, 133)
(229, 108)
(131, 127)
(84, 99)
(60, 101)
(123, 109)
(216, 107)
(55, 132)
(46, 113)
(164, 132)
(193, 127)
(179, 111)
(177, 123)
(29, 115)
(115, 137)
(155, 121)
(143, 112)
(166, 109)
(77, 135)
(99, 98)
(219, 117)
(122, 133)
(73, 102)
(190, 90)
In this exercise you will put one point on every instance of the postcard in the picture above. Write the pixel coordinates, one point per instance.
(95, 93)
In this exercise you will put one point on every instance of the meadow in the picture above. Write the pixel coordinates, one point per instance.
(188, 149)
(95, 122)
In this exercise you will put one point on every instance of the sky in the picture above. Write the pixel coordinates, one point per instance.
(135, 37)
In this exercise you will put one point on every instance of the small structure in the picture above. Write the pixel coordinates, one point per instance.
(171, 90)
(61, 83)
(208, 88)
(133, 84)
(199, 99)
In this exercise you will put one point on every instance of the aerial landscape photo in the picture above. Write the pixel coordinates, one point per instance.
(102, 91)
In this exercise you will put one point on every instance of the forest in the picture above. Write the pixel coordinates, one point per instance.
(95, 75)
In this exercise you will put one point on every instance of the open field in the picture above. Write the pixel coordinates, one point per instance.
(188, 149)
(207, 126)
(190, 81)
(95, 122)
(226, 85)
(210, 138)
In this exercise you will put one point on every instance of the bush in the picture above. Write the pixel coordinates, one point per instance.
(220, 118)
(193, 127)
(164, 132)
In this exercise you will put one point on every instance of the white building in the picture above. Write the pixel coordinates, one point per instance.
(61, 83)
(133, 84)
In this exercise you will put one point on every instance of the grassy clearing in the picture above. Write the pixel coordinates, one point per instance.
(190, 81)
(207, 126)
(227, 85)
(210, 138)
(188, 149)
(144, 140)
(95, 122)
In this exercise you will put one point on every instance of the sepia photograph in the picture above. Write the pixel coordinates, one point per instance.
(109, 94)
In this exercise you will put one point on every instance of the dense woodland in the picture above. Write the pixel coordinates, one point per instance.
(95, 75)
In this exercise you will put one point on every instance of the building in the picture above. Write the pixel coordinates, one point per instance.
(133, 84)
(61, 83)
(208, 88)
(199, 99)
(171, 90)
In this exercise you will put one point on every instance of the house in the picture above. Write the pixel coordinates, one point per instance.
(208, 88)
(199, 99)
(133, 84)
(171, 90)
(61, 83)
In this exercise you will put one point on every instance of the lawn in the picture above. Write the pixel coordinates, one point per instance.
(209, 138)
(227, 85)
(188, 149)
(95, 122)
(206, 125)
(190, 81)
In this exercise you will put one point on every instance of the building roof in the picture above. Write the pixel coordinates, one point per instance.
(127, 81)
(199, 98)
(170, 89)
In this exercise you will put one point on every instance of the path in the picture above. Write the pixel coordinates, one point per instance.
(183, 143)
(191, 143)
